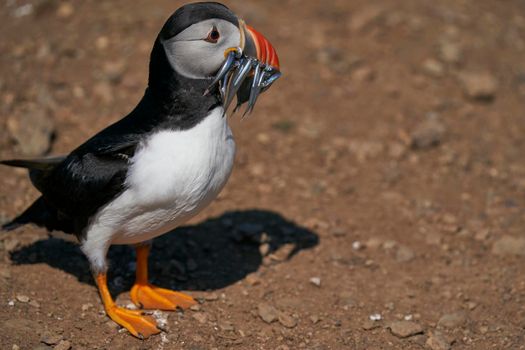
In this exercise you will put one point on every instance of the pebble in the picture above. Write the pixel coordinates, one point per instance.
(102, 42)
(252, 279)
(404, 254)
(34, 303)
(363, 74)
(428, 134)
(315, 319)
(211, 297)
(65, 10)
(267, 312)
(450, 52)
(433, 68)
(404, 329)
(316, 281)
(264, 249)
(86, 307)
(369, 325)
(508, 245)
(284, 252)
(356, 245)
(201, 317)
(436, 341)
(287, 320)
(479, 85)
(50, 338)
(375, 317)
(452, 320)
(22, 298)
(63, 345)
(226, 326)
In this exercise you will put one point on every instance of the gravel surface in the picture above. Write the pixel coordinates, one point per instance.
(377, 200)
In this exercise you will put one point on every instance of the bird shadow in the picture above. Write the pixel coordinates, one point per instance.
(210, 255)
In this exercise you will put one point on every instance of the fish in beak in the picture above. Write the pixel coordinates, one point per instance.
(247, 71)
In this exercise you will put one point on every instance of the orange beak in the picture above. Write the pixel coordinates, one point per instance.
(257, 45)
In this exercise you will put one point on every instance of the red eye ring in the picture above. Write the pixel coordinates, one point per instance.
(213, 36)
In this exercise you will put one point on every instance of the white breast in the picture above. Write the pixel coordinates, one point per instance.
(173, 176)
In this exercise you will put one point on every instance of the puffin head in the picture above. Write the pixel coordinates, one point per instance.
(207, 44)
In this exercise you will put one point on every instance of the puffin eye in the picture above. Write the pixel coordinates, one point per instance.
(213, 36)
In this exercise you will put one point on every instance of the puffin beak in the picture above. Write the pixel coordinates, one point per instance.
(256, 45)
(248, 70)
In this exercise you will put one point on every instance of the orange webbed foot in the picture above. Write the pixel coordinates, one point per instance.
(149, 296)
(138, 324)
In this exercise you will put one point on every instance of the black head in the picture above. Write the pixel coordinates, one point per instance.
(193, 45)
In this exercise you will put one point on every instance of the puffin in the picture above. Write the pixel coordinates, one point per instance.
(165, 161)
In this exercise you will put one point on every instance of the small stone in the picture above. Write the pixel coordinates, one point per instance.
(195, 307)
(287, 320)
(63, 345)
(65, 10)
(404, 254)
(211, 297)
(428, 134)
(226, 326)
(356, 245)
(479, 85)
(436, 341)
(267, 312)
(22, 298)
(450, 52)
(102, 42)
(15, 347)
(404, 329)
(315, 319)
(508, 245)
(86, 307)
(375, 317)
(24, 10)
(50, 338)
(316, 281)
(284, 252)
(433, 68)
(252, 279)
(369, 325)
(264, 249)
(201, 317)
(452, 320)
(34, 303)
(363, 74)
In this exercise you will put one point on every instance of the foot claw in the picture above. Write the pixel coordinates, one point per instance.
(151, 297)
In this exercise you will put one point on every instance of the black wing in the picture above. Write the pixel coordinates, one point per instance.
(86, 179)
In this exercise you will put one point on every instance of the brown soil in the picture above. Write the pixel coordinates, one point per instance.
(384, 174)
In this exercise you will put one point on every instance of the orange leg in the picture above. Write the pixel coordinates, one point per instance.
(138, 324)
(150, 297)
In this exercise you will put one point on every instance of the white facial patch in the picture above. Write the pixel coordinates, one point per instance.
(192, 56)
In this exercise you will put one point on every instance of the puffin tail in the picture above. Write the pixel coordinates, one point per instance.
(37, 214)
(41, 214)
(34, 164)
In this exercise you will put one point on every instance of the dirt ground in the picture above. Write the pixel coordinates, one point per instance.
(377, 200)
